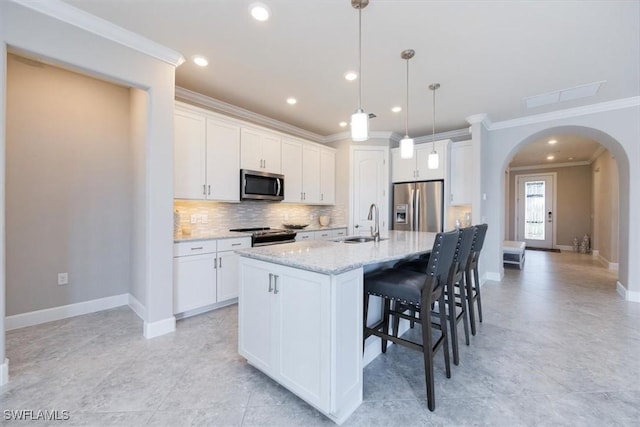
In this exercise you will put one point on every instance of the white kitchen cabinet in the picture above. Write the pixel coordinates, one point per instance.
(460, 173)
(327, 176)
(205, 272)
(292, 170)
(339, 232)
(310, 173)
(284, 325)
(260, 151)
(206, 156)
(416, 168)
(304, 330)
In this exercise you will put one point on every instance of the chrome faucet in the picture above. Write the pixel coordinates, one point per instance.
(375, 230)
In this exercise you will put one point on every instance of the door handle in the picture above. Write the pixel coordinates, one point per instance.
(275, 284)
(220, 262)
(270, 282)
(549, 216)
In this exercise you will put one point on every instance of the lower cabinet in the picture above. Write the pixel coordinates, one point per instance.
(321, 234)
(205, 273)
(304, 330)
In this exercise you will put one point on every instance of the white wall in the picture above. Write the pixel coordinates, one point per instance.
(37, 33)
(616, 126)
(605, 207)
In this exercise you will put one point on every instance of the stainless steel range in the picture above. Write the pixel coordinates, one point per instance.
(263, 236)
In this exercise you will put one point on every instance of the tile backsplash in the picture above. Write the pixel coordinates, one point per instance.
(223, 216)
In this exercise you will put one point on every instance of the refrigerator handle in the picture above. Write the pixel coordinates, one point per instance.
(417, 210)
(412, 213)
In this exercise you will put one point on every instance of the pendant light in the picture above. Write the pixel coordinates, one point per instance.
(433, 161)
(406, 143)
(359, 119)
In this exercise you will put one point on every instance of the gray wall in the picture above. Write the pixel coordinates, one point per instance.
(68, 202)
(605, 207)
(574, 205)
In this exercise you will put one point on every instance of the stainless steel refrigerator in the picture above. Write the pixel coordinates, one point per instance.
(418, 206)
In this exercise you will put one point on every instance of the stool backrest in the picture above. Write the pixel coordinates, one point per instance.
(465, 242)
(442, 256)
(479, 237)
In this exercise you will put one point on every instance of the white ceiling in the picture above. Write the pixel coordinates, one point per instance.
(487, 55)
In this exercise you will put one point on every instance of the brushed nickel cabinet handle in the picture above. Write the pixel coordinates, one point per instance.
(197, 249)
(270, 282)
(275, 284)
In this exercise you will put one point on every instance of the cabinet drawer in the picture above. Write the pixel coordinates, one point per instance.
(323, 234)
(194, 247)
(340, 232)
(306, 235)
(233, 244)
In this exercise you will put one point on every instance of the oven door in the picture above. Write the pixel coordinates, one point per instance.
(255, 185)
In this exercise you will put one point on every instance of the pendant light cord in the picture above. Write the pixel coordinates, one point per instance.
(360, 56)
(406, 117)
(433, 133)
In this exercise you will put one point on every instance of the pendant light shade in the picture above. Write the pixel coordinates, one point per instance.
(406, 143)
(359, 125)
(433, 161)
(359, 119)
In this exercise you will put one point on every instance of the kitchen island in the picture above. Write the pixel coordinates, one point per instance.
(300, 313)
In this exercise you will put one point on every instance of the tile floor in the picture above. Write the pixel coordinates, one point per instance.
(557, 346)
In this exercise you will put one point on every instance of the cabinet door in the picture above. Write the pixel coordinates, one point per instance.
(422, 155)
(189, 155)
(292, 170)
(460, 172)
(303, 333)
(327, 177)
(255, 316)
(311, 173)
(228, 275)
(339, 232)
(194, 282)
(250, 150)
(271, 153)
(402, 170)
(223, 161)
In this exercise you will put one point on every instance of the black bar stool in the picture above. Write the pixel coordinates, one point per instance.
(410, 290)
(472, 276)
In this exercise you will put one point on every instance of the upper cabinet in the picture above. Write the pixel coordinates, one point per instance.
(206, 157)
(309, 172)
(460, 171)
(260, 151)
(415, 168)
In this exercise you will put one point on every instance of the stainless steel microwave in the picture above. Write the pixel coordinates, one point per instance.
(256, 185)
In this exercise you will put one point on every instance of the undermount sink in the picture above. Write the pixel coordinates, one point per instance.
(358, 239)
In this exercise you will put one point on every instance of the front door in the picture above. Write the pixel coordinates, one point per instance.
(535, 210)
(370, 183)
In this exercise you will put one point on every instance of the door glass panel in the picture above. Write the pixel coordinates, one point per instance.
(534, 210)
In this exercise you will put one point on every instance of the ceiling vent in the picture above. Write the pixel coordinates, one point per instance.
(576, 92)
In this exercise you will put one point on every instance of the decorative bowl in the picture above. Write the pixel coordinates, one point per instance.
(295, 226)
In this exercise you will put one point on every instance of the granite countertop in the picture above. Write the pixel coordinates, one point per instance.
(328, 257)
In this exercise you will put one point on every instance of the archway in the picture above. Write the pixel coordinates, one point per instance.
(616, 149)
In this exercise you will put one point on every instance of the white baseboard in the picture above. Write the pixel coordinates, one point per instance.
(491, 275)
(595, 253)
(610, 265)
(565, 248)
(57, 313)
(627, 295)
(4, 372)
(137, 307)
(160, 327)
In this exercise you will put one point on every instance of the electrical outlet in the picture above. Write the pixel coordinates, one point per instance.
(194, 218)
(204, 218)
(63, 278)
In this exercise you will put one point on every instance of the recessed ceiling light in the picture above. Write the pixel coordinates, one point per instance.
(259, 11)
(200, 60)
(551, 157)
(291, 101)
(552, 141)
(343, 124)
(396, 109)
(351, 75)
(571, 158)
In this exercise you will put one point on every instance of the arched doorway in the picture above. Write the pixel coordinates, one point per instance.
(617, 151)
(562, 194)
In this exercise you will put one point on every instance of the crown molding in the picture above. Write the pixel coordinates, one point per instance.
(549, 166)
(64, 12)
(482, 118)
(617, 104)
(192, 97)
(456, 134)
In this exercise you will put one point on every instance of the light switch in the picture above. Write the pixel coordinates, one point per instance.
(205, 218)
(194, 218)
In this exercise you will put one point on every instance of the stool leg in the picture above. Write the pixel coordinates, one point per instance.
(427, 350)
(451, 306)
(463, 309)
(398, 307)
(468, 278)
(365, 311)
(445, 336)
(385, 322)
(478, 298)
